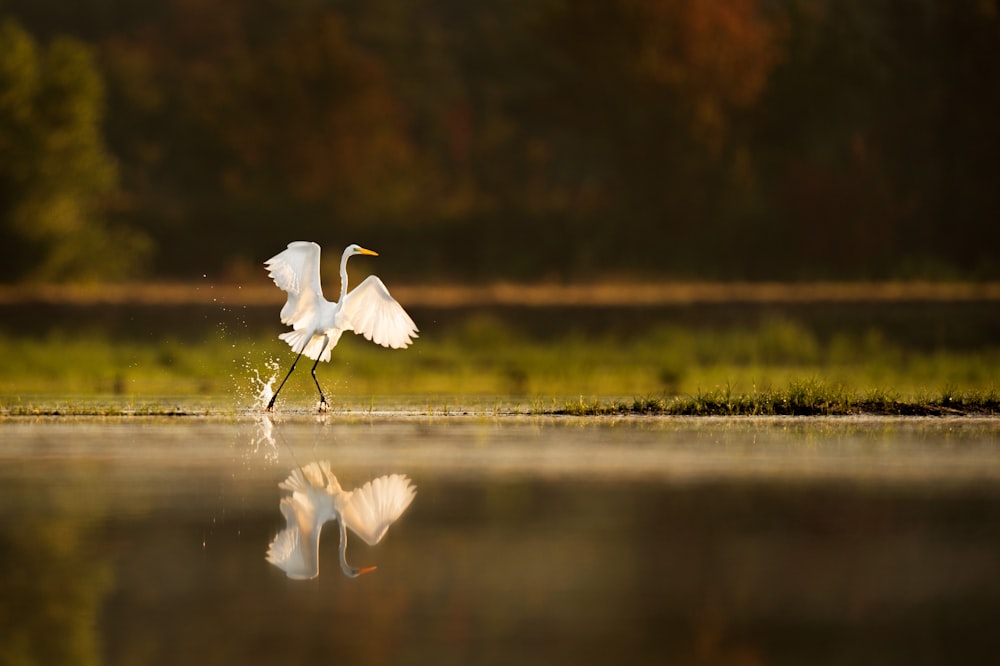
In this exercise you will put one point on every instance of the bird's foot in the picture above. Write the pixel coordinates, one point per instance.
(323, 406)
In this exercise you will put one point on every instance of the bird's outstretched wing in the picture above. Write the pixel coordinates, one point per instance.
(284, 553)
(295, 550)
(296, 271)
(375, 506)
(371, 311)
(310, 477)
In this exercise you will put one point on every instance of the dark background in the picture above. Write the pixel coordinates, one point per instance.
(546, 140)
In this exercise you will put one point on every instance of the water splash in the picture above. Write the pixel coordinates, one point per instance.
(264, 388)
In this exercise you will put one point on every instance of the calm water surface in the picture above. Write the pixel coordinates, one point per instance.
(530, 541)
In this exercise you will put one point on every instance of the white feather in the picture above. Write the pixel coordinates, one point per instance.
(295, 550)
(317, 498)
(369, 310)
(296, 271)
(372, 508)
(372, 312)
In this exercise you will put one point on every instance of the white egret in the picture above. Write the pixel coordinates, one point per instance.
(318, 498)
(317, 324)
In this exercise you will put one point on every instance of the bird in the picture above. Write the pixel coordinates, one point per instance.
(317, 323)
(317, 498)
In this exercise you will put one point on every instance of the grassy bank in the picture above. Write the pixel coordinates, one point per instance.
(807, 399)
(798, 399)
(776, 365)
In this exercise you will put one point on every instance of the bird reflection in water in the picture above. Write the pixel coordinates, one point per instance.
(316, 498)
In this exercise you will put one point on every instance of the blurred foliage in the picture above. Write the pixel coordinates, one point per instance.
(56, 176)
(485, 356)
(560, 140)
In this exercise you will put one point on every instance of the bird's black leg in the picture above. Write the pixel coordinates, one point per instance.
(270, 405)
(323, 406)
(322, 398)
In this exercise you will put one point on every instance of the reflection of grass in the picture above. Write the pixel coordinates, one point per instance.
(759, 368)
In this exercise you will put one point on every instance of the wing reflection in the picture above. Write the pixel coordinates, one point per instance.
(316, 498)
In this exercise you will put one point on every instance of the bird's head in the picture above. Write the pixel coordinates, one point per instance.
(354, 572)
(357, 249)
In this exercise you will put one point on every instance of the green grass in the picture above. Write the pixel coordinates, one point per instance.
(798, 399)
(776, 367)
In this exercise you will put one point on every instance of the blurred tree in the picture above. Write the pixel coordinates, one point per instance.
(715, 56)
(871, 138)
(649, 107)
(56, 177)
(751, 139)
(260, 113)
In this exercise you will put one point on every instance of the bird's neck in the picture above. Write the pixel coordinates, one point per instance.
(344, 566)
(343, 276)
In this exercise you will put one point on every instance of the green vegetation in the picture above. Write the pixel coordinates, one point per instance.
(798, 399)
(773, 368)
(56, 175)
